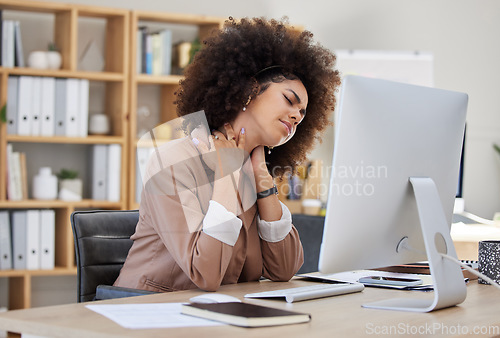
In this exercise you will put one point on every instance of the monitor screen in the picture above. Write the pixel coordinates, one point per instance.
(387, 133)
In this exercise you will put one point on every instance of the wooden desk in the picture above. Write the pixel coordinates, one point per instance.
(340, 315)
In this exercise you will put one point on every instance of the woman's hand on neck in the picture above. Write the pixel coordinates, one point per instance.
(251, 141)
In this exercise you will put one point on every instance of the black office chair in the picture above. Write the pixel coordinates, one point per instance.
(102, 241)
(310, 230)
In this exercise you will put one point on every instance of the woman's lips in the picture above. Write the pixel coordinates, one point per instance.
(288, 126)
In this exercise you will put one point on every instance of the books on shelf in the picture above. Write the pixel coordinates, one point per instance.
(7, 43)
(47, 106)
(12, 48)
(245, 314)
(18, 46)
(27, 239)
(154, 51)
(17, 184)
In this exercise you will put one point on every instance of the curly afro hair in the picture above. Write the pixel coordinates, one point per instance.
(240, 61)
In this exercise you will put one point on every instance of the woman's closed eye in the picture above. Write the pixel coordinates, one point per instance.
(301, 111)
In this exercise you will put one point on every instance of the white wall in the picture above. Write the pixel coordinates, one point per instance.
(462, 35)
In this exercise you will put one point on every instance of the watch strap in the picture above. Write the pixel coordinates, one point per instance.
(267, 192)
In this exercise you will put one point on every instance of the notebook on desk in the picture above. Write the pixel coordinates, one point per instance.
(245, 314)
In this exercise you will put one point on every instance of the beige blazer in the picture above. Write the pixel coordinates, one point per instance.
(171, 252)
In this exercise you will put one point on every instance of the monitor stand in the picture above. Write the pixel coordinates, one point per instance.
(447, 277)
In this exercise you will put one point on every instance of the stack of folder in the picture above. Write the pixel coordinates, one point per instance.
(47, 106)
(27, 239)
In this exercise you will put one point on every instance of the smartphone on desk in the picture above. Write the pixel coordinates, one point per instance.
(390, 281)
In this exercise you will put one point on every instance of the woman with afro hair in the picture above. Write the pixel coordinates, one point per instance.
(265, 91)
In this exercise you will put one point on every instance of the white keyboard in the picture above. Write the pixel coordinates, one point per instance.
(314, 291)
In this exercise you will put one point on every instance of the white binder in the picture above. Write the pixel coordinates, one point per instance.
(8, 44)
(36, 109)
(60, 108)
(12, 99)
(72, 107)
(83, 108)
(18, 45)
(166, 37)
(48, 106)
(5, 241)
(113, 174)
(33, 239)
(47, 239)
(24, 105)
(19, 239)
(99, 163)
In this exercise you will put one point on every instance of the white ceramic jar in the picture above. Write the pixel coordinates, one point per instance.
(99, 124)
(45, 185)
(38, 60)
(54, 59)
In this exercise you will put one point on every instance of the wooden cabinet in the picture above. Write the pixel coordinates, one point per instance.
(68, 23)
(160, 87)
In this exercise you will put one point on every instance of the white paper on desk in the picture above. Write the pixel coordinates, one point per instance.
(149, 316)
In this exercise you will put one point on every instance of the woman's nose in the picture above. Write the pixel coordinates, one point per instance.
(295, 116)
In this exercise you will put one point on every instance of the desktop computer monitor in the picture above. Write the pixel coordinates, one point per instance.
(393, 183)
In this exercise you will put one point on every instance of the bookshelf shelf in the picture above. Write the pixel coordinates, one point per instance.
(93, 76)
(36, 7)
(158, 79)
(110, 86)
(65, 140)
(58, 271)
(58, 204)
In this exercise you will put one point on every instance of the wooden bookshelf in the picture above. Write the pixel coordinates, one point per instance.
(114, 78)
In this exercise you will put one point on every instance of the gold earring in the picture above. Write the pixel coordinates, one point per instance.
(269, 150)
(246, 104)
